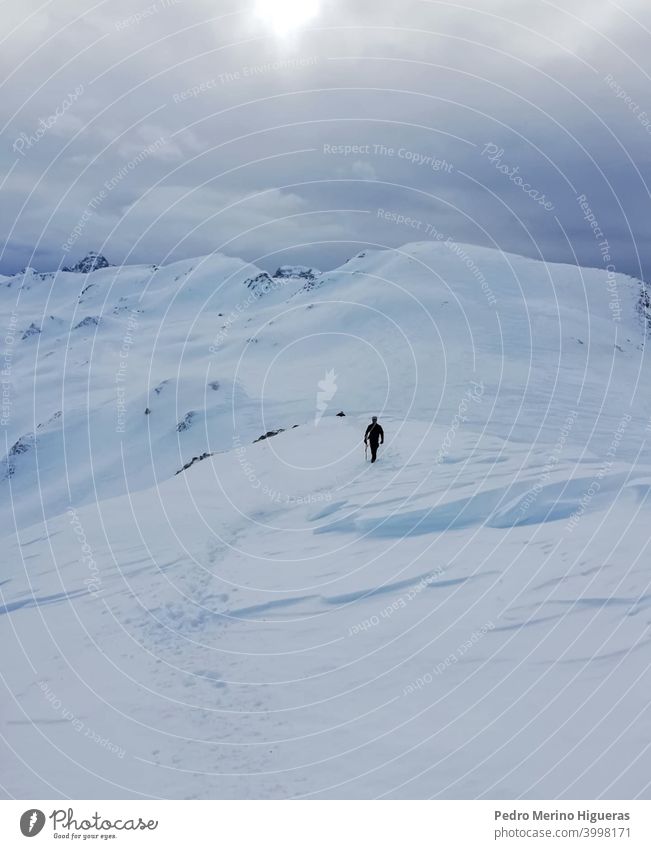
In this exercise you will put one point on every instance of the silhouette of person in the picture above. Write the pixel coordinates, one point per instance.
(374, 435)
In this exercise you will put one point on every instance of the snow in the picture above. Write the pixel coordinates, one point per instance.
(467, 617)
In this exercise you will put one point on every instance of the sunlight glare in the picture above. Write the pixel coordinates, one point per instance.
(286, 16)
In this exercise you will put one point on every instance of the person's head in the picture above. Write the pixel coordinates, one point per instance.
(373, 419)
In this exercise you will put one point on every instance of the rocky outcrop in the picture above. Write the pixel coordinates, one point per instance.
(260, 284)
(89, 321)
(32, 330)
(303, 272)
(91, 262)
(271, 433)
(186, 422)
(22, 446)
(193, 461)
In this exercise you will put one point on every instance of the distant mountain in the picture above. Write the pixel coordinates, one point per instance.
(91, 262)
(300, 271)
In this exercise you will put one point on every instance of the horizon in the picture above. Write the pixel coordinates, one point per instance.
(273, 267)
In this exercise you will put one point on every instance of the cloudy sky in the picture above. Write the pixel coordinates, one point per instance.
(160, 129)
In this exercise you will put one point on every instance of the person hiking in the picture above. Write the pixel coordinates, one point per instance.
(374, 435)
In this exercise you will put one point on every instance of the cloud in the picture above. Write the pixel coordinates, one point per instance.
(245, 116)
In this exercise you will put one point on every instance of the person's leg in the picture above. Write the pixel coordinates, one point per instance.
(373, 451)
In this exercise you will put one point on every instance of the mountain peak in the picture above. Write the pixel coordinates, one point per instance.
(91, 262)
(300, 271)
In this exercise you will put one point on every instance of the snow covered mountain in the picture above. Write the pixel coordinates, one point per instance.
(193, 611)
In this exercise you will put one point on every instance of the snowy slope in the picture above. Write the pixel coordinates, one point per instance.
(467, 617)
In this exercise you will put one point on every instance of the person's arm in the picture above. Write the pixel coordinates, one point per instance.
(381, 436)
(366, 435)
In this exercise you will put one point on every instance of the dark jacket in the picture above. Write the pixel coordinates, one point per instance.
(374, 433)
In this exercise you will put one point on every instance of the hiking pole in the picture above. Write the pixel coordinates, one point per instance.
(366, 451)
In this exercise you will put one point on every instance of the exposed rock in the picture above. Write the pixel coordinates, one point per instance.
(186, 423)
(271, 433)
(193, 461)
(91, 262)
(261, 284)
(21, 446)
(89, 321)
(32, 330)
(644, 306)
(293, 271)
(52, 419)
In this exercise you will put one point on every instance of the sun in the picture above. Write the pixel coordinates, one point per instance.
(286, 16)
